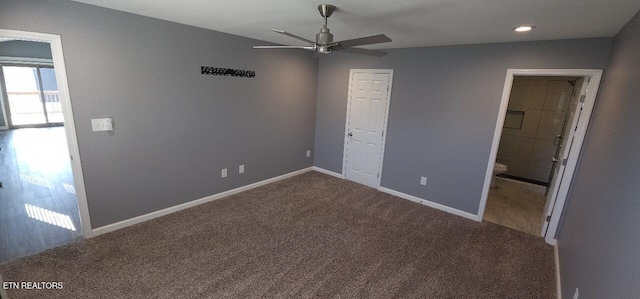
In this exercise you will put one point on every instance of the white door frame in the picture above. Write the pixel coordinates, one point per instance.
(3, 107)
(55, 42)
(385, 121)
(592, 90)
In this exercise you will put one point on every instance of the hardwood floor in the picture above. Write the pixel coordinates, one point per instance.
(515, 206)
(38, 205)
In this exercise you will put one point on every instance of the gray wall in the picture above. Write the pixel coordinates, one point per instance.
(444, 106)
(17, 48)
(599, 241)
(174, 128)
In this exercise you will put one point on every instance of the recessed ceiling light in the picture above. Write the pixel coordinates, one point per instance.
(524, 28)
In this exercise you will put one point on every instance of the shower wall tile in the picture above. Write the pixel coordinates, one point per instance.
(558, 95)
(529, 125)
(528, 93)
(513, 119)
(551, 124)
(538, 173)
(515, 169)
(515, 149)
(528, 151)
(543, 153)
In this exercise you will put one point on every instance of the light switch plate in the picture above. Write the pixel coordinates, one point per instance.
(102, 124)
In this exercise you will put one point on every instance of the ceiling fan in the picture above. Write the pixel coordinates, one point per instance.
(324, 40)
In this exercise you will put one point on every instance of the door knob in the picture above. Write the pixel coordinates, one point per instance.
(554, 160)
(350, 134)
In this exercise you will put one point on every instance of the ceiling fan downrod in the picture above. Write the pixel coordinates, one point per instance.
(324, 37)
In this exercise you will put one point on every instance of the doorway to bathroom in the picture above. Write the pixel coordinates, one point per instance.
(542, 122)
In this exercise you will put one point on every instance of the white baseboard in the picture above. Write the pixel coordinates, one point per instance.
(410, 197)
(142, 218)
(328, 172)
(431, 204)
(557, 263)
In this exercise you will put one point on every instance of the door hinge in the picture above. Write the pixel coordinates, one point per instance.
(387, 88)
(548, 218)
(378, 175)
(564, 162)
(583, 98)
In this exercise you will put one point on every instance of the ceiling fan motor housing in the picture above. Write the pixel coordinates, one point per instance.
(323, 39)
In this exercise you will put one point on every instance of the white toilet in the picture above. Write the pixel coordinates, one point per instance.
(498, 168)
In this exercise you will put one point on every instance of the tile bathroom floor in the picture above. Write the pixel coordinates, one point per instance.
(515, 206)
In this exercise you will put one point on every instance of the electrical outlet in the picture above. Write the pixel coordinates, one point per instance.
(308, 153)
(423, 180)
(224, 173)
(576, 294)
(241, 168)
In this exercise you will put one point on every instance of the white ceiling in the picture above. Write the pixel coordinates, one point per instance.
(409, 23)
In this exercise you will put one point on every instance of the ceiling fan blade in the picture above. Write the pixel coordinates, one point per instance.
(374, 39)
(285, 47)
(293, 36)
(362, 51)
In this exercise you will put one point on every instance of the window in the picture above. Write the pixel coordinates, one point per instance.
(32, 95)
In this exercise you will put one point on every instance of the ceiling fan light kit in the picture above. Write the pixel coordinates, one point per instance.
(324, 43)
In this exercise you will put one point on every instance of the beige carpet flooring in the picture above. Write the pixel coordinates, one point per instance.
(308, 236)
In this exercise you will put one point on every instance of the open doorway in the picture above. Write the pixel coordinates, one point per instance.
(532, 134)
(542, 122)
(43, 204)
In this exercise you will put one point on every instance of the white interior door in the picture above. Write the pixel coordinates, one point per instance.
(367, 111)
(568, 136)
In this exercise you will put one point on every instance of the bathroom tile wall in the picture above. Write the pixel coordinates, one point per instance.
(536, 116)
